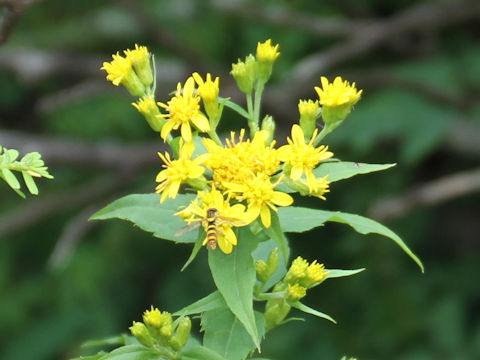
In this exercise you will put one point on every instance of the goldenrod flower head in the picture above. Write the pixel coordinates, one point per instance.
(337, 93)
(315, 274)
(309, 113)
(140, 58)
(241, 160)
(184, 109)
(228, 216)
(266, 55)
(208, 91)
(303, 157)
(117, 69)
(266, 52)
(295, 292)
(297, 271)
(178, 171)
(317, 186)
(140, 331)
(259, 193)
(120, 71)
(149, 109)
(244, 74)
(140, 53)
(153, 318)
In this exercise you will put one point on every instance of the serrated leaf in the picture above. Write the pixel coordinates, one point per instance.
(145, 211)
(132, 352)
(10, 178)
(344, 169)
(32, 187)
(199, 352)
(299, 219)
(227, 336)
(234, 275)
(210, 302)
(306, 309)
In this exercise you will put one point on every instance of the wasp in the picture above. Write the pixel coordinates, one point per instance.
(211, 223)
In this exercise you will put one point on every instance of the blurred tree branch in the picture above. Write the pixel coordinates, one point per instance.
(275, 15)
(432, 193)
(422, 17)
(12, 11)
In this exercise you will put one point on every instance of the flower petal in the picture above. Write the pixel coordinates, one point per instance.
(265, 216)
(281, 199)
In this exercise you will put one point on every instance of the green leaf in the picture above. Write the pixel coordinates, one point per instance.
(236, 108)
(133, 352)
(275, 232)
(299, 219)
(345, 169)
(91, 357)
(298, 305)
(199, 352)
(196, 248)
(336, 273)
(227, 336)
(10, 178)
(234, 275)
(145, 211)
(111, 340)
(32, 187)
(210, 302)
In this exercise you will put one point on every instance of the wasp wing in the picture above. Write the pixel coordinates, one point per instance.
(188, 228)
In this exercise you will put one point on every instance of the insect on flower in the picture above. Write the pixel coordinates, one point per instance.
(212, 223)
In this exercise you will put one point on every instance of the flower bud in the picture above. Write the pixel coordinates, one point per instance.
(140, 331)
(261, 269)
(272, 262)
(315, 274)
(337, 100)
(183, 333)
(149, 109)
(297, 271)
(266, 56)
(275, 313)
(244, 74)
(208, 91)
(295, 292)
(309, 113)
(268, 124)
(140, 58)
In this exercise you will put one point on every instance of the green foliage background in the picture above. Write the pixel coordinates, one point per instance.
(421, 109)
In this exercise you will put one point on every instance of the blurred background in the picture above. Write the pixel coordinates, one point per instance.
(64, 280)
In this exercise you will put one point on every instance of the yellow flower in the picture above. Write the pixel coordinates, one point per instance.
(240, 160)
(120, 71)
(297, 270)
(266, 52)
(183, 109)
(295, 292)
(309, 113)
(149, 109)
(140, 58)
(337, 93)
(303, 157)
(178, 171)
(228, 216)
(153, 318)
(208, 91)
(314, 274)
(259, 193)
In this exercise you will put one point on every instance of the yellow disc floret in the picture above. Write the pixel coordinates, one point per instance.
(338, 93)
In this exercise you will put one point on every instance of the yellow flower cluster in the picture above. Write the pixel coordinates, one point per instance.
(236, 181)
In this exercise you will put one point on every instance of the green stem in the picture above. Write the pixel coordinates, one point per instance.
(326, 130)
(256, 107)
(213, 135)
(249, 106)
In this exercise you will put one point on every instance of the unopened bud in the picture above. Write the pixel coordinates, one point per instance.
(244, 74)
(268, 124)
(140, 331)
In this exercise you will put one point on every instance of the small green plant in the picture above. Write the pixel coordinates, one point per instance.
(239, 195)
(31, 166)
